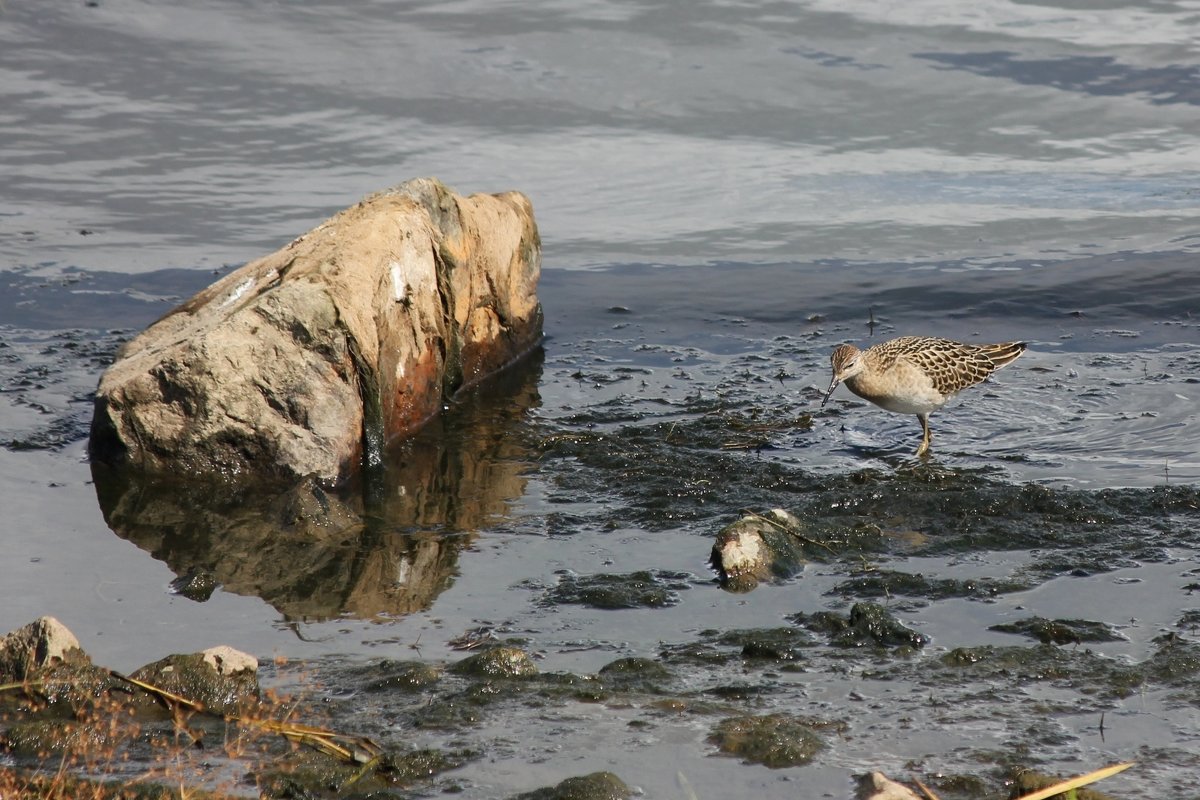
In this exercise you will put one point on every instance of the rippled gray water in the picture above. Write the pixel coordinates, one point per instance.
(747, 185)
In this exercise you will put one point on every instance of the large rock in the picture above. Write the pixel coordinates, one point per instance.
(220, 679)
(305, 361)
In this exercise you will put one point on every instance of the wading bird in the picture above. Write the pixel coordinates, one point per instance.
(917, 374)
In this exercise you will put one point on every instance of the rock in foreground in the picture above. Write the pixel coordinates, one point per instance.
(305, 361)
(40, 644)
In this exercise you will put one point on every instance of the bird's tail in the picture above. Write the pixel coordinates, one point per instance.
(1004, 353)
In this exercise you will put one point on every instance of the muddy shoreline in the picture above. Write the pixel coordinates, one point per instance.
(410, 727)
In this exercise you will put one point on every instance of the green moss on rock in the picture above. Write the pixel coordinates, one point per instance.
(774, 740)
(498, 662)
(596, 786)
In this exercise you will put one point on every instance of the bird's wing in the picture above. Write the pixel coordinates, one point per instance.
(951, 366)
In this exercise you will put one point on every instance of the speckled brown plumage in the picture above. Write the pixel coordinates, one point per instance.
(917, 374)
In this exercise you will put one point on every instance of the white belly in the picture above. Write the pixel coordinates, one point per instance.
(911, 404)
(902, 396)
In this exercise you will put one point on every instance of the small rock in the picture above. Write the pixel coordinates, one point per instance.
(404, 676)
(1060, 631)
(877, 786)
(868, 624)
(641, 589)
(634, 672)
(768, 644)
(758, 547)
(41, 643)
(596, 786)
(774, 740)
(498, 662)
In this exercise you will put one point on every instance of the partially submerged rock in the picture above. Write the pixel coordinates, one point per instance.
(758, 547)
(633, 671)
(777, 645)
(305, 361)
(498, 662)
(641, 589)
(1060, 631)
(42, 643)
(596, 786)
(867, 624)
(773, 740)
(874, 582)
(220, 679)
(400, 676)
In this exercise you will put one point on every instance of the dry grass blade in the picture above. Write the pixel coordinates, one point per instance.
(5, 687)
(1075, 783)
(322, 743)
(926, 790)
(753, 444)
(163, 694)
(360, 750)
(318, 738)
(366, 769)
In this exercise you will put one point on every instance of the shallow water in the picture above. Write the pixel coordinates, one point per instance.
(724, 192)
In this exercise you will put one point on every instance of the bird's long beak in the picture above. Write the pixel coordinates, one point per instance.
(829, 394)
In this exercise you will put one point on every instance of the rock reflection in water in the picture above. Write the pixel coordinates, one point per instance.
(385, 545)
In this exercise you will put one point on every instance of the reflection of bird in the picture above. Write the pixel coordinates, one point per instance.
(917, 374)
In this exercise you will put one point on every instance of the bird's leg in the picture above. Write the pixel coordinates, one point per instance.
(923, 450)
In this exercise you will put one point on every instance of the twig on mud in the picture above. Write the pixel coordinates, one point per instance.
(469, 640)
(752, 444)
(362, 750)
